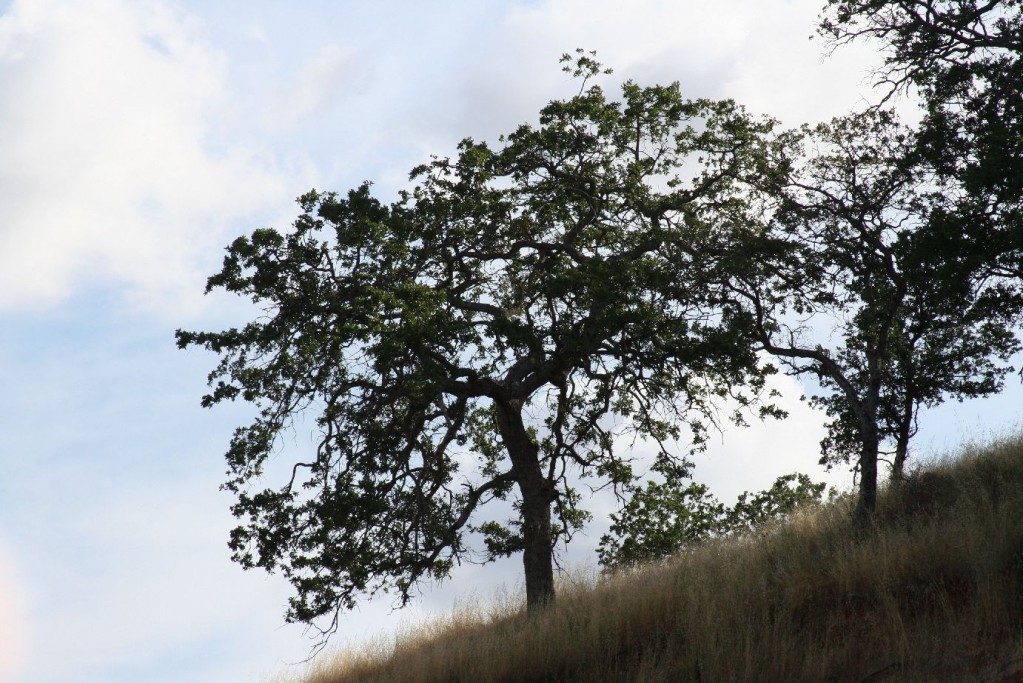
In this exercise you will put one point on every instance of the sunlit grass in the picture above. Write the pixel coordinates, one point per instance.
(934, 592)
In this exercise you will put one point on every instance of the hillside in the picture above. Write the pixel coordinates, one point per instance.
(933, 593)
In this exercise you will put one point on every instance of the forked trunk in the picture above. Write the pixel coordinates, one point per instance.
(867, 502)
(902, 445)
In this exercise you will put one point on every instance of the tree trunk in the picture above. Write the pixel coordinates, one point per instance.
(867, 502)
(903, 437)
(537, 496)
(899, 462)
(870, 439)
(537, 557)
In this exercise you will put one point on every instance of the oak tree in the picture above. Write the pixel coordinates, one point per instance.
(488, 336)
(961, 60)
(869, 292)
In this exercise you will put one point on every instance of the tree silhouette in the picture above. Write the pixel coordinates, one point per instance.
(486, 337)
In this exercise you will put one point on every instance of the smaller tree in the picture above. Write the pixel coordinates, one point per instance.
(663, 519)
(660, 520)
(863, 289)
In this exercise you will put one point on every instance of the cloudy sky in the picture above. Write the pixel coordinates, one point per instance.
(137, 139)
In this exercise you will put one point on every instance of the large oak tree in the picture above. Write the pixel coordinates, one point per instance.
(487, 336)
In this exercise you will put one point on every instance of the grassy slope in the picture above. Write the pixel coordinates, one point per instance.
(935, 593)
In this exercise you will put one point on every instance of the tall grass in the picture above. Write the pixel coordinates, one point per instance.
(933, 592)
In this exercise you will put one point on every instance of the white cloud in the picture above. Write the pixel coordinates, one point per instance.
(750, 459)
(328, 77)
(758, 53)
(108, 173)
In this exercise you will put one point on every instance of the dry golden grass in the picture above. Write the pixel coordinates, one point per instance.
(933, 593)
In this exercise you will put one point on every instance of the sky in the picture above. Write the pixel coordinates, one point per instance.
(138, 138)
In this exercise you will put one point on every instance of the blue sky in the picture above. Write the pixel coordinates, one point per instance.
(137, 139)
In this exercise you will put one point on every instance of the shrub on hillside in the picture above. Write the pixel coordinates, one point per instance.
(663, 519)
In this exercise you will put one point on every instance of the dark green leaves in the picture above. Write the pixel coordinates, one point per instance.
(568, 282)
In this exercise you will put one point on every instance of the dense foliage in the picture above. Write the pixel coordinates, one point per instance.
(488, 336)
(962, 57)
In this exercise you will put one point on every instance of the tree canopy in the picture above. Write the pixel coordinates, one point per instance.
(963, 59)
(865, 286)
(487, 336)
